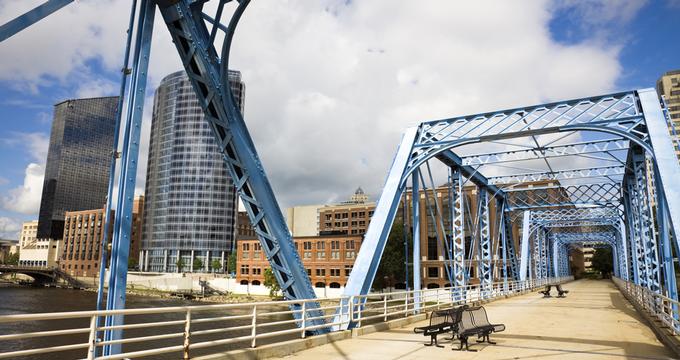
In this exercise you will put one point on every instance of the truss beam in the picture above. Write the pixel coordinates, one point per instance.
(595, 172)
(581, 148)
(208, 74)
(31, 17)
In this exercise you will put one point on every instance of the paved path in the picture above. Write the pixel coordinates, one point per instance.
(593, 322)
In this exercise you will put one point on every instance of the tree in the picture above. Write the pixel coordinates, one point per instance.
(231, 263)
(216, 265)
(12, 259)
(603, 262)
(198, 264)
(270, 282)
(180, 265)
(132, 263)
(391, 269)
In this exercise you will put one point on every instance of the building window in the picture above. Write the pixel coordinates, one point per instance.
(335, 255)
(335, 272)
(350, 254)
(348, 270)
(433, 272)
(246, 255)
(257, 271)
(320, 254)
(244, 269)
(307, 245)
(307, 255)
(320, 272)
(335, 245)
(349, 244)
(246, 247)
(321, 245)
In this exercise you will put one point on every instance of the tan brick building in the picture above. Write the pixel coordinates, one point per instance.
(668, 86)
(83, 234)
(350, 217)
(327, 258)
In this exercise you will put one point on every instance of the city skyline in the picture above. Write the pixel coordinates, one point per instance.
(327, 94)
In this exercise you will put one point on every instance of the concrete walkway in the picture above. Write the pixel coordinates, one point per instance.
(593, 322)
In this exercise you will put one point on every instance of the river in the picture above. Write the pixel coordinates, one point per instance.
(21, 300)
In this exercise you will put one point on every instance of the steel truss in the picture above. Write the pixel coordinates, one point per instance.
(646, 205)
(562, 206)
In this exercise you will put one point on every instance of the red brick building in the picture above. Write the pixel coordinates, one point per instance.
(83, 234)
(327, 258)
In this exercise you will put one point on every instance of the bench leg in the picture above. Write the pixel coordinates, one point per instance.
(433, 341)
(464, 341)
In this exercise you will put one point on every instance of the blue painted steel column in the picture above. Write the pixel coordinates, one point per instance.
(458, 226)
(415, 206)
(31, 17)
(623, 239)
(632, 233)
(665, 241)
(104, 249)
(208, 73)
(128, 175)
(524, 246)
(368, 259)
(405, 230)
(503, 236)
(484, 265)
(664, 157)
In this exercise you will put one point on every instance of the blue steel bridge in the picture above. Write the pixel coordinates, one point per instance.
(595, 171)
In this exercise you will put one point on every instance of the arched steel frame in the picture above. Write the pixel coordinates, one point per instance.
(630, 121)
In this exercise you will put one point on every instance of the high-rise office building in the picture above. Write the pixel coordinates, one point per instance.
(78, 161)
(190, 206)
(668, 86)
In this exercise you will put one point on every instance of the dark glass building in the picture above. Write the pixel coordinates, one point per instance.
(190, 207)
(78, 161)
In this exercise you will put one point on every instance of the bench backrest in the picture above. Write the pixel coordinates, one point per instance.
(466, 321)
(479, 316)
(439, 317)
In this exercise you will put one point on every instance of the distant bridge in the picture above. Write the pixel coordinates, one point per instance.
(41, 274)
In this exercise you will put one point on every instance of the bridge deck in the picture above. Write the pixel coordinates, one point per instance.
(593, 322)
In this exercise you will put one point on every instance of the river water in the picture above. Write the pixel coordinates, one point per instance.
(21, 300)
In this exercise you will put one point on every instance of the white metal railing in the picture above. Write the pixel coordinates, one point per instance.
(208, 326)
(661, 307)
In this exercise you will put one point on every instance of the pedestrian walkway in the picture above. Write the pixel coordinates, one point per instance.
(593, 322)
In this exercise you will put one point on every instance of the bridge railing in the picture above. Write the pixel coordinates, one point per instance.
(198, 330)
(661, 307)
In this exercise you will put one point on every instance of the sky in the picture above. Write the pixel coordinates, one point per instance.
(332, 84)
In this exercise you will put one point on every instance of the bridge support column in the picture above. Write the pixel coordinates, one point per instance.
(458, 233)
(415, 203)
(484, 264)
(524, 245)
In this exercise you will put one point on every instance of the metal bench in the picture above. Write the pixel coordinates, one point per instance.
(546, 292)
(474, 321)
(440, 322)
(561, 291)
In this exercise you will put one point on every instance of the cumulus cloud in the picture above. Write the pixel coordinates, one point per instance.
(331, 85)
(25, 199)
(9, 228)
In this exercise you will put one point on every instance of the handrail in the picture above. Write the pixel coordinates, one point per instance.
(250, 322)
(659, 306)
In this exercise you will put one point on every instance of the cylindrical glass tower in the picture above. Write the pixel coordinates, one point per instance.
(190, 206)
